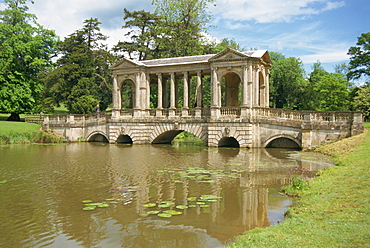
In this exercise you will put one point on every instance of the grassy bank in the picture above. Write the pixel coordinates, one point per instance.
(24, 133)
(334, 211)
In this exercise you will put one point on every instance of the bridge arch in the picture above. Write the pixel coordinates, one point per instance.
(124, 139)
(282, 141)
(97, 136)
(164, 134)
(228, 142)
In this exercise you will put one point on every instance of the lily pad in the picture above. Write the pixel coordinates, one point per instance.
(172, 212)
(149, 205)
(86, 201)
(209, 197)
(181, 207)
(89, 208)
(193, 198)
(152, 212)
(164, 205)
(103, 205)
(3, 181)
(164, 215)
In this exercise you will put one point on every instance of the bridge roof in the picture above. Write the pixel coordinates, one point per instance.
(197, 59)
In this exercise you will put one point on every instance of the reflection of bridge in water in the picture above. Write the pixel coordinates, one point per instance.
(238, 115)
(245, 199)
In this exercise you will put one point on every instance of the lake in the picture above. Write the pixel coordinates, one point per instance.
(105, 195)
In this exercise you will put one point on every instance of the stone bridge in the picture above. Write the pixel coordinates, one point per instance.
(234, 112)
(235, 127)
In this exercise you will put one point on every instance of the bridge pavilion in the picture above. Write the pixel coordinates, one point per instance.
(245, 75)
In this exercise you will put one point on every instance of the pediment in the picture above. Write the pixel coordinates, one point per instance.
(126, 63)
(228, 55)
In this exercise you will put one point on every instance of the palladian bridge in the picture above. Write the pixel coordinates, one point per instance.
(168, 97)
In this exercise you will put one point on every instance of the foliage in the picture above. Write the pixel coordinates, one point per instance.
(81, 77)
(26, 49)
(362, 101)
(360, 57)
(184, 23)
(330, 90)
(143, 26)
(287, 85)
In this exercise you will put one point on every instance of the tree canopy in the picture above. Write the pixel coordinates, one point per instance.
(359, 64)
(26, 49)
(81, 77)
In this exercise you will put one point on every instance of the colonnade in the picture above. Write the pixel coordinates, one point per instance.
(245, 80)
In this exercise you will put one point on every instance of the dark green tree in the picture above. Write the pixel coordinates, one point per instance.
(143, 31)
(330, 90)
(359, 64)
(183, 27)
(287, 84)
(81, 77)
(26, 49)
(362, 101)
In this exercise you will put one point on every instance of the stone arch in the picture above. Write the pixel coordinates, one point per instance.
(165, 133)
(124, 139)
(228, 142)
(127, 89)
(97, 136)
(231, 81)
(282, 141)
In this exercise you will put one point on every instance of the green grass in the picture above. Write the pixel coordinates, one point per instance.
(24, 133)
(334, 211)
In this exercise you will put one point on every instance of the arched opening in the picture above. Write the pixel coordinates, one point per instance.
(230, 90)
(166, 137)
(261, 90)
(98, 137)
(283, 142)
(124, 139)
(228, 142)
(127, 94)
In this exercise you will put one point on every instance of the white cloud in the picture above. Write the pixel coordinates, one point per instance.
(265, 11)
(326, 57)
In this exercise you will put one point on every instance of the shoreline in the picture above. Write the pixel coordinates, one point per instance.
(334, 211)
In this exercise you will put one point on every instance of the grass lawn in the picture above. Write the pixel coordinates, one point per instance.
(24, 133)
(334, 211)
(7, 127)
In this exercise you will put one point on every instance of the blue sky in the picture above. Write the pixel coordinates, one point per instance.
(313, 30)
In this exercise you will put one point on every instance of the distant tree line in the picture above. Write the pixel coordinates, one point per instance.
(39, 72)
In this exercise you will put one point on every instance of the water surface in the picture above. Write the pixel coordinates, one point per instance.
(42, 188)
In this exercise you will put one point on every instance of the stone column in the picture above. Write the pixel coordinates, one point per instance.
(215, 95)
(214, 88)
(245, 87)
(186, 90)
(172, 93)
(116, 99)
(160, 91)
(137, 91)
(267, 88)
(114, 92)
(199, 89)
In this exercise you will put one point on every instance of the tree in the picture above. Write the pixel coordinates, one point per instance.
(360, 57)
(330, 90)
(362, 101)
(81, 78)
(26, 49)
(143, 27)
(183, 26)
(287, 85)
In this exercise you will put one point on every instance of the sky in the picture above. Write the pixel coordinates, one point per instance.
(312, 30)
